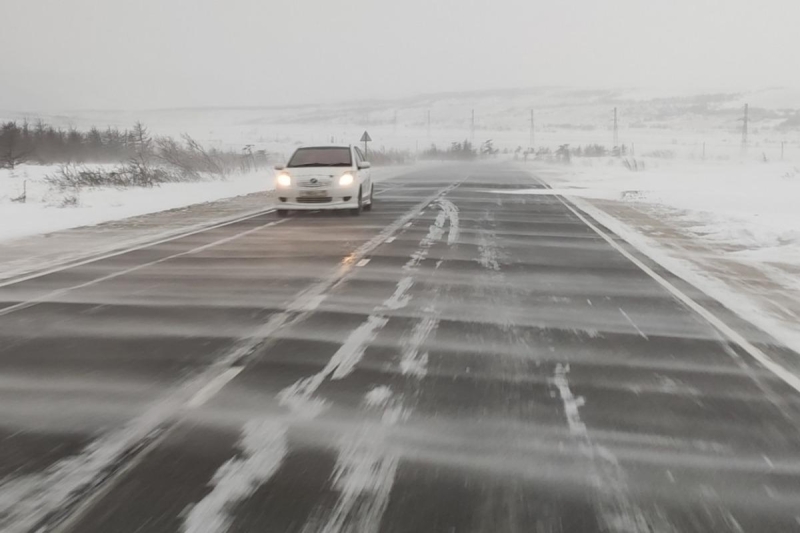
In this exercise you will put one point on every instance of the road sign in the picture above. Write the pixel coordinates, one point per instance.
(365, 139)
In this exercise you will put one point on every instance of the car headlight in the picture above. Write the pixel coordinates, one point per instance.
(346, 179)
(284, 180)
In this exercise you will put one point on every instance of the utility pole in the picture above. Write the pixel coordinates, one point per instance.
(616, 129)
(472, 129)
(429, 124)
(532, 134)
(782, 143)
(744, 128)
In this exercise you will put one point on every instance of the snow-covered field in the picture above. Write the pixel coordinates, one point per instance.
(46, 210)
(751, 209)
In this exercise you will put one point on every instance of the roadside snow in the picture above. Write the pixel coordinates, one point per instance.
(44, 210)
(745, 212)
(750, 209)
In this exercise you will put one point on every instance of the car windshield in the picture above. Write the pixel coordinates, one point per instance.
(321, 157)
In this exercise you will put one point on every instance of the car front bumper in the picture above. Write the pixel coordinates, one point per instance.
(314, 199)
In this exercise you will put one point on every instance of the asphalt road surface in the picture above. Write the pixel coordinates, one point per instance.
(460, 359)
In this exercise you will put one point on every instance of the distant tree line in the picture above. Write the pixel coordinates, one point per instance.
(44, 144)
(458, 151)
(388, 157)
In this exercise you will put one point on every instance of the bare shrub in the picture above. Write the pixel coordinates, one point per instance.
(633, 165)
(70, 200)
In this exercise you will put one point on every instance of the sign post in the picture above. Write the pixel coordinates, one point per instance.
(365, 139)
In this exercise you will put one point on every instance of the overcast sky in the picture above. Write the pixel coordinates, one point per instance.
(134, 54)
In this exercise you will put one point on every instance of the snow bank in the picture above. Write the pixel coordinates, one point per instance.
(751, 209)
(46, 210)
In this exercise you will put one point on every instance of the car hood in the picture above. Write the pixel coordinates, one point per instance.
(317, 172)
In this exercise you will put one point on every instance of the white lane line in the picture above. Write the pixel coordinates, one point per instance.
(60, 292)
(263, 447)
(632, 323)
(390, 240)
(213, 387)
(136, 245)
(363, 262)
(732, 335)
(408, 225)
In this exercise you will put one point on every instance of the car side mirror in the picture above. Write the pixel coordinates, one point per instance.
(279, 167)
(364, 165)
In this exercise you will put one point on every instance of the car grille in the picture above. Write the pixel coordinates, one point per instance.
(320, 182)
(314, 200)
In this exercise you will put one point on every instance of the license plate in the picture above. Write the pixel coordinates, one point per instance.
(314, 194)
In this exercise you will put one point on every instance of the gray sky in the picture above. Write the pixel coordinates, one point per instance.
(73, 54)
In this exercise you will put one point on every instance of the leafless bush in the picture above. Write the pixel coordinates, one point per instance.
(70, 200)
(132, 174)
(633, 165)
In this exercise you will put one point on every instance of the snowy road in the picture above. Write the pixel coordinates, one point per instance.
(456, 360)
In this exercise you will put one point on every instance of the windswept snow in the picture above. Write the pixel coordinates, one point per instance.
(46, 210)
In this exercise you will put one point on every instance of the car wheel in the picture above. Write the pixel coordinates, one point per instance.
(368, 207)
(282, 212)
(357, 211)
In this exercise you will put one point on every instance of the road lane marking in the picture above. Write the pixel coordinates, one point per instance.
(134, 246)
(60, 292)
(732, 335)
(213, 387)
(390, 240)
(363, 262)
(632, 323)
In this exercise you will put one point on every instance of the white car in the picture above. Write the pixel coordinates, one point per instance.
(324, 177)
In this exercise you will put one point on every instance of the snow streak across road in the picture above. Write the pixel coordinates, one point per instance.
(457, 360)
